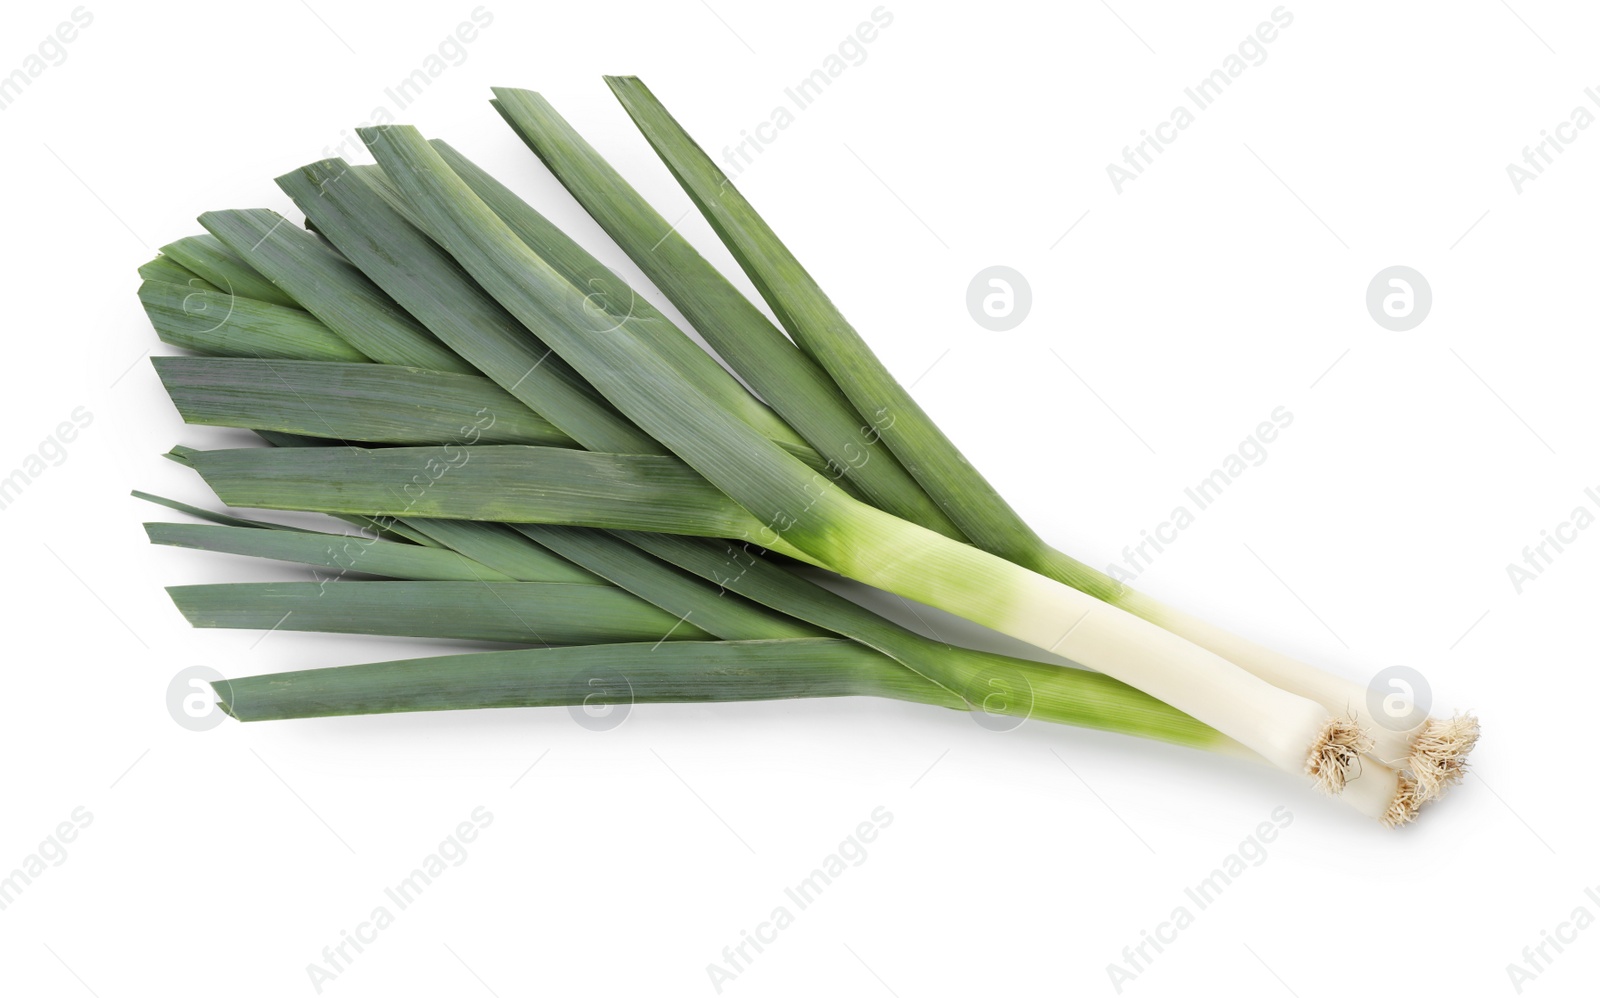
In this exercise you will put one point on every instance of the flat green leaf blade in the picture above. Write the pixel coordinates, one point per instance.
(994, 684)
(823, 332)
(224, 269)
(340, 553)
(791, 382)
(687, 597)
(490, 544)
(516, 612)
(505, 550)
(747, 573)
(223, 325)
(596, 675)
(433, 288)
(505, 483)
(753, 576)
(999, 684)
(330, 288)
(378, 403)
(682, 672)
(606, 293)
(166, 270)
(224, 519)
(384, 527)
(808, 510)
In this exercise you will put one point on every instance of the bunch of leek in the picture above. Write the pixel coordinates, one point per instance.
(535, 455)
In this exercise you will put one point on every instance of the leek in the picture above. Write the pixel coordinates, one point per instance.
(555, 462)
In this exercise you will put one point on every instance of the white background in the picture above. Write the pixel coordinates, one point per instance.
(1228, 280)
